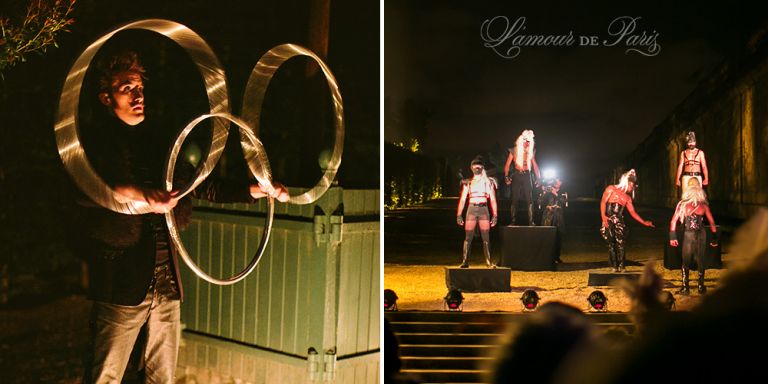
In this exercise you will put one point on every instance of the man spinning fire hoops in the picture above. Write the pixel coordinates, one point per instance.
(522, 183)
(480, 190)
(615, 198)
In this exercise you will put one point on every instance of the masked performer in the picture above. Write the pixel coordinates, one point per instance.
(522, 155)
(692, 164)
(553, 202)
(615, 198)
(690, 212)
(480, 190)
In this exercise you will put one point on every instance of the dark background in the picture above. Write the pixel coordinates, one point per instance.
(589, 106)
(36, 194)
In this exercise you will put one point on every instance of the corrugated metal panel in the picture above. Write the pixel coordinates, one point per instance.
(358, 324)
(308, 291)
(205, 360)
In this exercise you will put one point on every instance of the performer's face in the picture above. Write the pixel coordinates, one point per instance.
(691, 144)
(477, 169)
(526, 143)
(126, 97)
(558, 183)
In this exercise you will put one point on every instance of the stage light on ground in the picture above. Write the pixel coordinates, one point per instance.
(549, 173)
(597, 301)
(530, 300)
(390, 300)
(454, 301)
(667, 300)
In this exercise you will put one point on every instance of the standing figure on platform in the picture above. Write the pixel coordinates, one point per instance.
(615, 198)
(522, 180)
(690, 211)
(692, 164)
(480, 190)
(553, 202)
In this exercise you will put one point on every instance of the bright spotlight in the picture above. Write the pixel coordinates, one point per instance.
(549, 173)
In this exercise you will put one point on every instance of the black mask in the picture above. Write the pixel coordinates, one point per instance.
(477, 171)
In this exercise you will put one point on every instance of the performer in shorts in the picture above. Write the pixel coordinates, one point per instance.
(480, 190)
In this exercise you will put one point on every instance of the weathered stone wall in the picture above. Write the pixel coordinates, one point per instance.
(729, 113)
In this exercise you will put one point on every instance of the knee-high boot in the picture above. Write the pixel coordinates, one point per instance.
(466, 249)
(487, 252)
(530, 215)
(701, 286)
(685, 290)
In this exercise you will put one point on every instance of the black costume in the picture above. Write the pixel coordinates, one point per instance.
(614, 234)
(552, 215)
(694, 249)
(552, 210)
(522, 189)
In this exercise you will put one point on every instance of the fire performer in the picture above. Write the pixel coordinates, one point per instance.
(133, 267)
(522, 180)
(690, 212)
(480, 190)
(692, 164)
(615, 198)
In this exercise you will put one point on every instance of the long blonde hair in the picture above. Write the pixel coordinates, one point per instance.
(693, 196)
(520, 149)
(625, 179)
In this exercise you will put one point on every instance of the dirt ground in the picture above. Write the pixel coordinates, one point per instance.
(421, 241)
(43, 342)
(422, 287)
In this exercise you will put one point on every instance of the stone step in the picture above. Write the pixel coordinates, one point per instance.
(450, 338)
(445, 362)
(448, 375)
(447, 350)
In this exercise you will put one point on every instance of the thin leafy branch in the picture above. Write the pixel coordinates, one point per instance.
(43, 20)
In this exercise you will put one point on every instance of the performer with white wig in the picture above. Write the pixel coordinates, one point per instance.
(690, 212)
(692, 164)
(480, 190)
(523, 156)
(615, 198)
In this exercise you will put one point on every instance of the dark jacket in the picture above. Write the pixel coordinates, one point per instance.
(119, 248)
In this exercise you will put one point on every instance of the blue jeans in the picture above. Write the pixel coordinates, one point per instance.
(115, 328)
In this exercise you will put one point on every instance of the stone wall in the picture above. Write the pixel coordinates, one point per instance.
(729, 113)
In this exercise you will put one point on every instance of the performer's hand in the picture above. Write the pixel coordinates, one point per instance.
(460, 220)
(605, 223)
(494, 220)
(705, 182)
(507, 180)
(160, 201)
(278, 192)
(648, 223)
(673, 243)
(678, 182)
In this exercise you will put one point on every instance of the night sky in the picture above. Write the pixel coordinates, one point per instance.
(589, 106)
